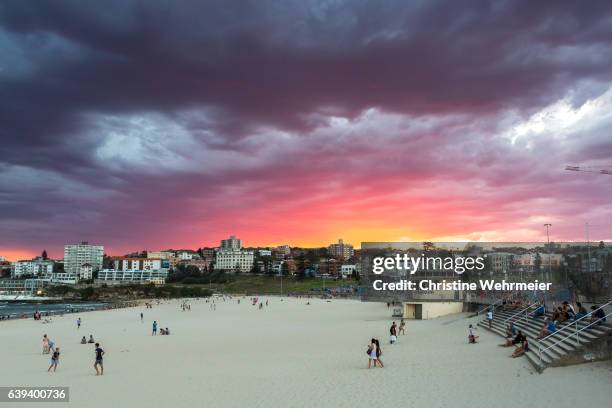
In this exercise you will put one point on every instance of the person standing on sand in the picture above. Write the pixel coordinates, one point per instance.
(99, 362)
(141, 317)
(54, 360)
(45, 344)
(78, 323)
(154, 333)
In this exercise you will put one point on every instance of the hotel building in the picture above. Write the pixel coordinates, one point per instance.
(341, 250)
(78, 255)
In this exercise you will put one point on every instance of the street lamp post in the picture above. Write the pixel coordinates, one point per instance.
(548, 244)
(586, 232)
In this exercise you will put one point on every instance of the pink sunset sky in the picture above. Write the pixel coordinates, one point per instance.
(160, 125)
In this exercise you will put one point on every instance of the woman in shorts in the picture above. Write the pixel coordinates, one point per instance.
(54, 359)
(372, 357)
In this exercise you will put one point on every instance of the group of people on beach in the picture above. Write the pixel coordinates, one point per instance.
(393, 331)
(162, 331)
(374, 351)
(90, 341)
(516, 338)
(49, 347)
(566, 313)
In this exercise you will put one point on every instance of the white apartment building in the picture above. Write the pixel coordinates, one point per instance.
(148, 276)
(35, 267)
(232, 260)
(78, 255)
(123, 263)
(341, 250)
(264, 252)
(232, 243)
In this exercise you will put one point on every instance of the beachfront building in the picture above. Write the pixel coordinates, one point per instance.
(231, 257)
(341, 250)
(78, 255)
(234, 260)
(114, 276)
(123, 263)
(38, 267)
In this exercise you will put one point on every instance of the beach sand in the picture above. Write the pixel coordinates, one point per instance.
(288, 354)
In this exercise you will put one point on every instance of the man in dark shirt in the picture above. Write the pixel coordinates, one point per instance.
(598, 315)
(99, 362)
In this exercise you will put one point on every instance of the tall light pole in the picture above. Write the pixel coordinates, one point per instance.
(281, 278)
(586, 232)
(548, 244)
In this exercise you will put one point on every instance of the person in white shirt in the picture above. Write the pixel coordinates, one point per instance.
(472, 335)
(490, 318)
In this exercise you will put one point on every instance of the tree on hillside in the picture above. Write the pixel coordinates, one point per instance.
(301, 266)
(44, 254)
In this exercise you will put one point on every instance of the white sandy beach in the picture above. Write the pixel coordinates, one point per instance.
(288, 354)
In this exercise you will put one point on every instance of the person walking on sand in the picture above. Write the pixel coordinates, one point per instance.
(45, 345)
(402, 328)
(379, 354)
(393, 333)
(372, 353)
(54, 360)
(154, 333)
(99, 361)
(78, 323)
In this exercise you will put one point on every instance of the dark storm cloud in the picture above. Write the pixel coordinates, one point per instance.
(275, 62)
(280, 65)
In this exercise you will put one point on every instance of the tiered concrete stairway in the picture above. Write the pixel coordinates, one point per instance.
(553, 354)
